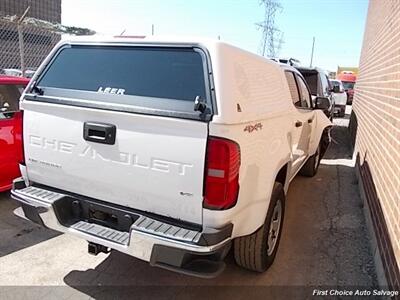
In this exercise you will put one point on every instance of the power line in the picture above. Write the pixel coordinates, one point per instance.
(272, 38)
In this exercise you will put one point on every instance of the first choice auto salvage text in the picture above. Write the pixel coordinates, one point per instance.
(356, 292)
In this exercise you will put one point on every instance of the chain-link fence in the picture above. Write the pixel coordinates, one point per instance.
(24, 45)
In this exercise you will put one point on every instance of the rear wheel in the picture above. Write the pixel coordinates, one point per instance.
(310, 168)
(257, 251)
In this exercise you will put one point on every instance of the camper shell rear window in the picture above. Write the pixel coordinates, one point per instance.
(155, 80)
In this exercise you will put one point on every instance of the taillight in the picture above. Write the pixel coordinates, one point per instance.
(19, 139)
(222, 173)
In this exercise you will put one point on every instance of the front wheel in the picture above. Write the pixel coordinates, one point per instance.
(257, 251)
(342, 112)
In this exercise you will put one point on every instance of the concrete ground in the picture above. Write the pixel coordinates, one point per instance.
(324, 245)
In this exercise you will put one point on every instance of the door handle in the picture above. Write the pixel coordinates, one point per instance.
(99, 133)
(298, 124)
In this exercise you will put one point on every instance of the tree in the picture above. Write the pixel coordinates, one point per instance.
(54, 27)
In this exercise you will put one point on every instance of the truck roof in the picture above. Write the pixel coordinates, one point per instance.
(208, 43)
(289, 68)
(165, 39)
(241, 78)
(310, 69)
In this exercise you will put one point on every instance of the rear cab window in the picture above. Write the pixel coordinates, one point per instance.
(298, 90)
(326, 86)
(305, 97)
(153, 80)
(294, 92)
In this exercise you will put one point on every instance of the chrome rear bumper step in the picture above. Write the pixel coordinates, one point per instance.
(110, 234)
(165, 244)
(143, 223)
(149, 225)
(39, 194)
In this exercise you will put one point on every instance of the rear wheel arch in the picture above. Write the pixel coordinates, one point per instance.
(325, 139)
(281, 176)
(252, 251)
(322, 129)
(310, 168)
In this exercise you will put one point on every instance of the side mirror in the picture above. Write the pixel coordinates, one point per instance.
(322, 103)
(336, 89)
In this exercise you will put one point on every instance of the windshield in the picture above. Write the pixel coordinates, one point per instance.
(348, 85)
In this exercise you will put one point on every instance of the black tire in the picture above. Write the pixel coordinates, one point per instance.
(252, 251)
(343, 112)
(310, 168)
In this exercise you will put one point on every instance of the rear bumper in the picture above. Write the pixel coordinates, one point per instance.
(197, 253)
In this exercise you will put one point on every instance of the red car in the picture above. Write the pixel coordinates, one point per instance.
(10, 129)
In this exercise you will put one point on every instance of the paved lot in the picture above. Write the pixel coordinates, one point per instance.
(324, 244)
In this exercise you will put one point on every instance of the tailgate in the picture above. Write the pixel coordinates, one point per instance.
(155, 165)
(119, 123)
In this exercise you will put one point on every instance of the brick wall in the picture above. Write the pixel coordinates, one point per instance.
(375, 127)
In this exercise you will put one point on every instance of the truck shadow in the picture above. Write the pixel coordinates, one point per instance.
(324, 243)
(17, 233)
(120, 276)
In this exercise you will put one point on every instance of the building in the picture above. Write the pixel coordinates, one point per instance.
(37, 42)
(375, 129)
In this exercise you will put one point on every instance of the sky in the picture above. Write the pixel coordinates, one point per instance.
(337, 25)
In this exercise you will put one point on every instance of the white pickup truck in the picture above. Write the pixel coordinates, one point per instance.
(167, 150)
(339, 97)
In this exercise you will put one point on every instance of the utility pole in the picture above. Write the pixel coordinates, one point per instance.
(270, 43)
(312, 51)
(152, 29)
(21, 40)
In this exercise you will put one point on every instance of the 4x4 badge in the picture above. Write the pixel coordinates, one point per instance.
(255, 127)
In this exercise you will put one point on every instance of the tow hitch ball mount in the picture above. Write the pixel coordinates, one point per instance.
(95, 249)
